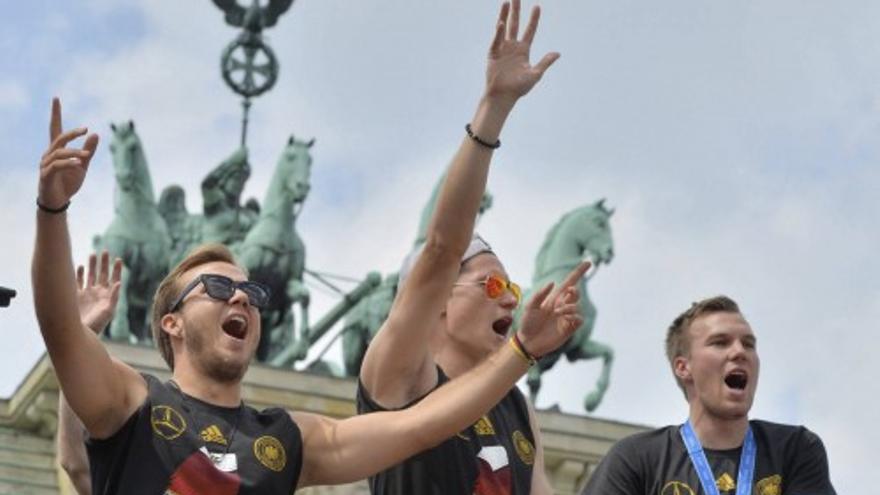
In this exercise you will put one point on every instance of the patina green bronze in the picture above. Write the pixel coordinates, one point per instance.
(273, 252)
(138, 235)
(428, 210)
(583, 233)
(248, 64)
(225, 220)
(308, 337)
(363, 321)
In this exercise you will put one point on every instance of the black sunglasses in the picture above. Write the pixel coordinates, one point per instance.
(222, 288)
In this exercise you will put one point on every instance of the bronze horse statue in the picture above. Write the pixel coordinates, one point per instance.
(138, 235)
(581, 233)
(273, 252)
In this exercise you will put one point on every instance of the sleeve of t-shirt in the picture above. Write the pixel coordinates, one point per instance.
(617, 473)
(808, 474)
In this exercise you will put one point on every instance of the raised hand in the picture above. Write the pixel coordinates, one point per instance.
(63, 169)
(509, 73)
(551, 316)
(98, 293)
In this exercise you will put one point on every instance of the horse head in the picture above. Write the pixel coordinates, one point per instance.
(294, 170)
(596, 232)
(130, 162)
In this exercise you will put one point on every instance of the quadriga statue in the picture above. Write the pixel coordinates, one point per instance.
(273, 252)
(137, 235)
(583, 233)
(226, 221)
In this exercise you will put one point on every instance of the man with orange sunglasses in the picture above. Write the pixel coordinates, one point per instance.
(455, 308)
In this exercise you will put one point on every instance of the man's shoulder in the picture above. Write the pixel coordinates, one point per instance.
(647, 443)
(795, 436)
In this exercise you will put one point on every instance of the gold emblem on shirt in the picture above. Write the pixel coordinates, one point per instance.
(166, 422)
(725, 483)
(524, 448)
(270, 452)
(771, 485)
(484, 427)
(213, 434)
(677, 488)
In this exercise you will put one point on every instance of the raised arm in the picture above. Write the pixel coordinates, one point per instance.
(96, 298)
(101, 393)
(398, 367)
(351, 449)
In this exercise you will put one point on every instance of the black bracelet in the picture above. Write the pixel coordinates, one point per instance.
(481, 141)
(54, 211)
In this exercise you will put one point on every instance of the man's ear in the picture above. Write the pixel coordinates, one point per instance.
(681, 366)
(171, 325)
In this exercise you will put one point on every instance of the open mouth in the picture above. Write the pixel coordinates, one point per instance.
(502, 325)
(736, 380)
(235, 326)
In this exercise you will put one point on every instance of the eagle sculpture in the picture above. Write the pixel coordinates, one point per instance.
(255, 17)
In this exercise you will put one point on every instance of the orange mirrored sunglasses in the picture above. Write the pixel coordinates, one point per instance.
(495, 286)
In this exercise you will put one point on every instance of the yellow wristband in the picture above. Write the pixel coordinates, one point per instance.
(517, 348)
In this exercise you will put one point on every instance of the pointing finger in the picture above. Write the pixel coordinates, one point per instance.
(55, 120)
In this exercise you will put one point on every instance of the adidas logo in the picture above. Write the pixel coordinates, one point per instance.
(213, 434)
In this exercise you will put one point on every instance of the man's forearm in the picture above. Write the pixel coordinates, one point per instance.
(462, 401)
(459, 198)
(54, 286)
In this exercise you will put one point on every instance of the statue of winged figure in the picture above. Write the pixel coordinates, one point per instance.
(254, 18)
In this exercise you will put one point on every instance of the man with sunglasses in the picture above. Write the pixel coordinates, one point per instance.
(193, 434)
(455, 309)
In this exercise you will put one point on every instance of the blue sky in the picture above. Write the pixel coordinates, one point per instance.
(737, 141)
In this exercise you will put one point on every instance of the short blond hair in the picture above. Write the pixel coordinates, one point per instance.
(169, 289)
(677, 337)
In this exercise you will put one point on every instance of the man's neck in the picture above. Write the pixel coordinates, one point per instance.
(451, 359)
(207, 390)
(718, 433)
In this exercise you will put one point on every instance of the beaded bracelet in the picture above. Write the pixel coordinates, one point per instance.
(481, 141)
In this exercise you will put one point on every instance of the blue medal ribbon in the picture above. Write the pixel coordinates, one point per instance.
(704, 471)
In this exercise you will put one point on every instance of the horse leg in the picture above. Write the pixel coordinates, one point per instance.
(298, 293)
(591, 350)
(534, 382)
(119, 327)
(354, 346)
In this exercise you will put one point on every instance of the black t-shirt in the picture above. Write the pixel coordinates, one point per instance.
(176, 444)
(492, 457)
(790, 460)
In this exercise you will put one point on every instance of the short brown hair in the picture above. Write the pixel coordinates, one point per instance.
(169, 290)
(677, 338)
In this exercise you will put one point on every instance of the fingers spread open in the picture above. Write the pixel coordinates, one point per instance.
(513, 21)
(532, 27)
(117, 271)
(62, 139)
(91, 144)
(80, 276)
(566, 309)
(60, 165)
(495, 48)
(104, 268)
(93, 262)
(546, 62)
(539, 297)
(64, 153)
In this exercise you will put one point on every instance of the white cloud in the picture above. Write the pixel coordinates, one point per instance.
(14, 95)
